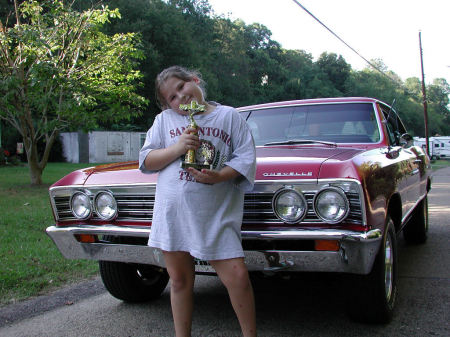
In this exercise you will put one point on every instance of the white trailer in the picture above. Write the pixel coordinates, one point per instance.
(441, 147)
(422, 142)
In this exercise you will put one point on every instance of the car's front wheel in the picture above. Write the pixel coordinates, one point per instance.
(373, 296)
(132, 282)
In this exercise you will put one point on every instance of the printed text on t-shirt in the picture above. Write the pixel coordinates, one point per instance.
(205, 131)
(185, 175)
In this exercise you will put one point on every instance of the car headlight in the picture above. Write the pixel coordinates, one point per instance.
(289, 205)
(331, 205)
(105, 205)
(80, 205)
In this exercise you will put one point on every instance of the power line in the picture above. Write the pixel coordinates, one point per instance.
(351, 48)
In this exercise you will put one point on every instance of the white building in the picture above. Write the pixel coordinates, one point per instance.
(101, 146)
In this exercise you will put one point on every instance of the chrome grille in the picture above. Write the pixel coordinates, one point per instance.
(258, 209)
(135, 203)
(62, 205)
(355, 214)
(135, 207)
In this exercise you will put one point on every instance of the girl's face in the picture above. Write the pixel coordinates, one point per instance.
(176, 91)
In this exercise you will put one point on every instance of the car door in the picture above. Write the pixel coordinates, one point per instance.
(408, 162)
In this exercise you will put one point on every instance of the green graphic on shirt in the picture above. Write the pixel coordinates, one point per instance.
(216, 159)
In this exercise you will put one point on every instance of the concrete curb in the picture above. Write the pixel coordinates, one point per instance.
(36, 306)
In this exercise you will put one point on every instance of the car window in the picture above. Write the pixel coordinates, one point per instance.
(340, 123)
(394, 125)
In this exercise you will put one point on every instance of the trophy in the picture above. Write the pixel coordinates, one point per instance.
(190, 159)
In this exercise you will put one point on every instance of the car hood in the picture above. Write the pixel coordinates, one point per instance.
(111, 174)
(299, 162)
(273, 163)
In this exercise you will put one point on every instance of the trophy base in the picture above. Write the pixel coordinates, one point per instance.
(197, 166)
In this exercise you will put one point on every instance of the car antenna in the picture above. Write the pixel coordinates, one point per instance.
(387, 119)
(391, 107)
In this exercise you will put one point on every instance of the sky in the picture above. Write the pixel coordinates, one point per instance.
(382, 29)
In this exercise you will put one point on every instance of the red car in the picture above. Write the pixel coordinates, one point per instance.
(337, 179)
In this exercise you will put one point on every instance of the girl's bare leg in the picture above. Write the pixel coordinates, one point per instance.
(234, 275)
(180, 267)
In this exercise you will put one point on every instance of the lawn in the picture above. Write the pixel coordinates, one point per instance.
(438, 164)
(30, 262)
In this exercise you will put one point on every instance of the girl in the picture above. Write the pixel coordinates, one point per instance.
(198, 214)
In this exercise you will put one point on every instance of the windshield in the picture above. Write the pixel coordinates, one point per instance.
(337, 123)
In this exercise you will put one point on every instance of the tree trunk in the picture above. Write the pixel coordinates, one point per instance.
(33, 164)
(34, 167)
(35, 173)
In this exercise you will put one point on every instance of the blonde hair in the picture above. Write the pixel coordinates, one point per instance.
(180, 73)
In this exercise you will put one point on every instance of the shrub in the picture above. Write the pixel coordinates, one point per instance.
(2, 157)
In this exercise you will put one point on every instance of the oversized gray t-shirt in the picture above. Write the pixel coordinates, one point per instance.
(204, 220)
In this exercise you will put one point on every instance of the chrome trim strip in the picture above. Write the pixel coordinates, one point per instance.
(408, 214)
(55, 188)
(316, 234)
(300, 103)
(286, 181)
(306, 234)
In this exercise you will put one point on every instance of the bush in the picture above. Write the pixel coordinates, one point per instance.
(14, 160)
(2, 157)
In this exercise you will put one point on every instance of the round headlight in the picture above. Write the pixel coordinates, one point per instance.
(331, 205)
(289, 205)
(105, 205)
(80, 205)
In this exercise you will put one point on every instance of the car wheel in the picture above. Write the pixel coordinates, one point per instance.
(373, 296)
(132, 282)
(416, 230)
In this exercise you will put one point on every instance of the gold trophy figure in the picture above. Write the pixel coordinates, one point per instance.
(190, 157)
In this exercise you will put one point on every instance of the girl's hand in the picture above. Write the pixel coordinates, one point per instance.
(206, 176)
(160, 158)
(188, 141)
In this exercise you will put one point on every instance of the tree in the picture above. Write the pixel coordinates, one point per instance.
(336, 69)
(299, 69)
(60, 72)
(437, 94)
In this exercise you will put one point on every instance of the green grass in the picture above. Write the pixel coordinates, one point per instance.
(438, 164)
(30, 263)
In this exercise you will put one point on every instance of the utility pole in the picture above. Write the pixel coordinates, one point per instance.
(424, 94)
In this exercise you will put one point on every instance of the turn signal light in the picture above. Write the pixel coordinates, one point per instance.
(328, 245)
(86, 238)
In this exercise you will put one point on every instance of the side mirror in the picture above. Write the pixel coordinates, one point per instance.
(406, 140)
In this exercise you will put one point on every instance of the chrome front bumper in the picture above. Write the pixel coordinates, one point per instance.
(356, 254)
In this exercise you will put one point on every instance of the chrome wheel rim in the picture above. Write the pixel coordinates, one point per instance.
(388, 267)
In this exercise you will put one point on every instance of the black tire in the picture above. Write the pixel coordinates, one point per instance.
(416, 230)
(373, 296)
(132, 282)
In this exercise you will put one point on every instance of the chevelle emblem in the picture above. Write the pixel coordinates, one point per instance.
(287, 174)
